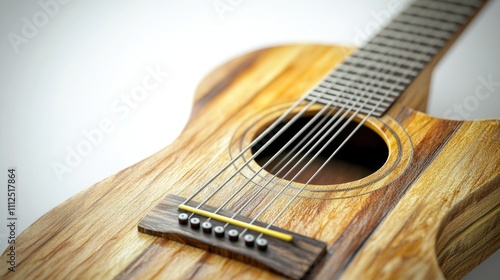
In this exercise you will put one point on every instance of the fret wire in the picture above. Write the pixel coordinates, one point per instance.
(377, 90)
(469, 3)
(383, 85)
(404, 45)
(412, 37)
(358, 88)
(379, 66)
(333, 89)
(380, 49)
(349, 92)
(391, 41)
(369, 73)
(436, 15)
(333, 95)
(360, 58)
(429, 23)
(365, 109)
(446, 7)
(428, 44)
(388, 59)
(419, 30)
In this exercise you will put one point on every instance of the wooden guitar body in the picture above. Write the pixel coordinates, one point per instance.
(431, 211)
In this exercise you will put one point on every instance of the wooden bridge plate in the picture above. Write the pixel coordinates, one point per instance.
(291, 259)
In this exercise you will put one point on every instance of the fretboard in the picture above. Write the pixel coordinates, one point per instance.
(371, 79)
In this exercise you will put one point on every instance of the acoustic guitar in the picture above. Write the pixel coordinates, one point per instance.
(298, 161)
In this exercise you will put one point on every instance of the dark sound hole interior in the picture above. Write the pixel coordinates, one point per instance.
(364, 153)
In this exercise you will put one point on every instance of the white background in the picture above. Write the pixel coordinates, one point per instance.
(78, 64)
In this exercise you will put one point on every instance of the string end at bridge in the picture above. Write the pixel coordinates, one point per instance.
(265, 231)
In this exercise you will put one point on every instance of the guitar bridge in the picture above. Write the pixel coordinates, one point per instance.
(280, 251)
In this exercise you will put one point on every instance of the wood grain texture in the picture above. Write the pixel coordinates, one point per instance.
(291, 259)
(427, 222)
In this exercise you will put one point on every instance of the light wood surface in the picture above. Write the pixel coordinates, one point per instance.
(434, 214)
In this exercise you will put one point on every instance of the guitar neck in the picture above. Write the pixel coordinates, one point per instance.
(372, 79)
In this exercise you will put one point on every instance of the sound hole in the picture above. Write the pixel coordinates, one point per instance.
(364, 153)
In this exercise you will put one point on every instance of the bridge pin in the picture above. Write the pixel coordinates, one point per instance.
(206, 227)
(183, 218)
(195, 223)
(261, 244)
(233, 235)
(219, 231)
(249, 240)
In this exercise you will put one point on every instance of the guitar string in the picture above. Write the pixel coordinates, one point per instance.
(328, 105)
(310, 141)
(374, 107)
(405, 74)
(411, 64)
(366, 86)
(255, 141)
(295, 118)
(293, 150)
(318, 133)
(310, 161)
(319, 125)
(283, 148)
(259, 138)
(283, 130)
(314, 175)
(324, 164)
(312, 121)
(315, 100)
(262, 148)
(308, 136)
(276, 123)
